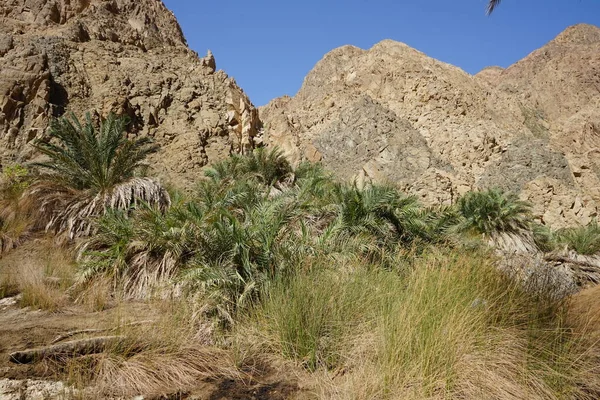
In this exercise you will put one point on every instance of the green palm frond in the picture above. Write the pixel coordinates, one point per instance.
(268, 166)
(583, 239)
(494, 211)
(84, 157)
(379, 209)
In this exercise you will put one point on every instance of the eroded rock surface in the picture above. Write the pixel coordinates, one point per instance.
(126, 56)
(533, 128)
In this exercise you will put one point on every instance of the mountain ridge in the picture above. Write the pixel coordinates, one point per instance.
(475, 124)
(123, 56)
(397, 114)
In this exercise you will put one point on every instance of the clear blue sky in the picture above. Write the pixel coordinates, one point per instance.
(268, 46)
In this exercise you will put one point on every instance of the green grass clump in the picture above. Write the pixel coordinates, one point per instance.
(451, 327)
(583, 239)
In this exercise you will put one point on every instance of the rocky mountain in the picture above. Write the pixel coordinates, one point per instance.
(126, 56)
(391, 113)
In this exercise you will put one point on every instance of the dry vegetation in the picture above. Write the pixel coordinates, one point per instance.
(41, 273)
(452, 327)
(271, 272)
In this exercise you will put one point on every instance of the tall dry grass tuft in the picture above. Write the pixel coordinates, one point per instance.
(40, 272)
(15, 223)
(171, 352)
(451, 327)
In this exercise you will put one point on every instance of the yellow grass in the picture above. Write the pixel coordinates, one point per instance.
(170, 351)
(40, 273)
(452, 328)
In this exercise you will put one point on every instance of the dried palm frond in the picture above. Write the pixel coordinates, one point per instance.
(62, 209)
(521, 242)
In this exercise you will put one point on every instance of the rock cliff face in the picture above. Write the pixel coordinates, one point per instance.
(389, 113)
(392, 113)
(126, 56)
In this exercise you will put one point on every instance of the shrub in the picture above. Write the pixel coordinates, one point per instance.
(493, 211)
(15, 180)
(583, 239)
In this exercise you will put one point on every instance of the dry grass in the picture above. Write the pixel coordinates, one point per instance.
(40, 272)
(170, 352)
(95, 296)
(452, 328)
(15, 222)
(15, 228)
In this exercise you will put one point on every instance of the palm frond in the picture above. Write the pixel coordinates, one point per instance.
(494, 211)
(491, 6)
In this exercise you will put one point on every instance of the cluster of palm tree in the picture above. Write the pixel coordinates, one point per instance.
(253, 219)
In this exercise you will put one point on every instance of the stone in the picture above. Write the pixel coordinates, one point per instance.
(209, 62)
(34, 390)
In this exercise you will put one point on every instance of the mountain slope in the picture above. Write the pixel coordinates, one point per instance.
(126, 56)
(522, 129)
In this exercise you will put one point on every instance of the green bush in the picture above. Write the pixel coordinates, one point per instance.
(15, 180)
(493, 211)
(583, 239)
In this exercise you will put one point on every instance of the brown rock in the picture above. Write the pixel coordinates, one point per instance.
(524, 128)
(126, 56)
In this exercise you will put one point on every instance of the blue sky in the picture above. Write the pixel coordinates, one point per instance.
(268, 46)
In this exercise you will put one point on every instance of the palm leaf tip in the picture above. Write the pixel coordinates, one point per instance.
(492, 4)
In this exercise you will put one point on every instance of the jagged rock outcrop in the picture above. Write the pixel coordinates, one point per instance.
(126, 56)
(389, 149)
(533, 128)
(389, 113)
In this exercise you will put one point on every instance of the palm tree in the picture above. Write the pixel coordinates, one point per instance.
(501, 218)
(492, 4)
(267, 166)
(88, 170)
(583, 239)
(379, 210)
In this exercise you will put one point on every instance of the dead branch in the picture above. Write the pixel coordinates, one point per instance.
(567, 260)
(67, 335)
(69, 349)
